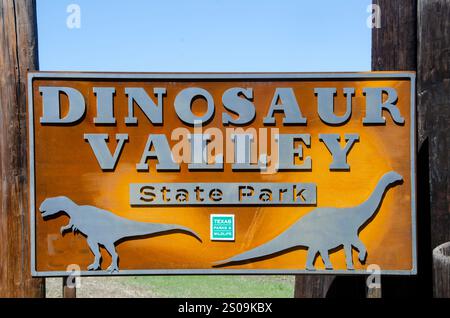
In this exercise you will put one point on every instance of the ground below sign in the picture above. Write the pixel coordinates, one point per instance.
(222, 173)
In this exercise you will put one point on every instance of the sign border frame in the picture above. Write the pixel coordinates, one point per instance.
(217, 76)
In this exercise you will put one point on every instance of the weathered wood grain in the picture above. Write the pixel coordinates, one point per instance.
(18, 53)
(433, 106)
(68, 291)
(394, 43)
(441, 271)
(312, 286)
(416, 36)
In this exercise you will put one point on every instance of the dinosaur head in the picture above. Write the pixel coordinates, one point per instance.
(55, 205)
(393, 177)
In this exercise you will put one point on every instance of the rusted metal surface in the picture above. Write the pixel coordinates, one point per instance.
(65, 165)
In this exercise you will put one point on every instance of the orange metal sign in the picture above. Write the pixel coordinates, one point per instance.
(222, 173)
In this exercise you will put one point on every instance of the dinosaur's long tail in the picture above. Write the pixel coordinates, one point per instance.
(176, 227)
(141, 228)
(284, 241)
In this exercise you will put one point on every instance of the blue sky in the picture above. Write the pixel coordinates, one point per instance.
(205, 36)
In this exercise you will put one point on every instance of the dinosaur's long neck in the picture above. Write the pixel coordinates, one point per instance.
(366, 210)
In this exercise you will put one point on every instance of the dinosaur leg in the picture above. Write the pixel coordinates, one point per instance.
(65, 228)
(348, 256)
(312, 252)
(326, 258)
(115, 257)
(358, 244)
(93, 245)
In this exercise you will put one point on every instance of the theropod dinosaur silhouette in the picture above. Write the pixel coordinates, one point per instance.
(324, 229)
(102, 227)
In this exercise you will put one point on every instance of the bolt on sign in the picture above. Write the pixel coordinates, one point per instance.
(222, 173)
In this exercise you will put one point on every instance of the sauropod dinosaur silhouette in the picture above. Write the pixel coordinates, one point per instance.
(324, 229)
(102, 227)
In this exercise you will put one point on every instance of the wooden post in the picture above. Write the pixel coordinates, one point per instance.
(441, 271)
(394, 43)
(312, 286)
(415, 35)
(394, 49)
(433, 105)
(18, 53)
(374, 292)
(68, 291)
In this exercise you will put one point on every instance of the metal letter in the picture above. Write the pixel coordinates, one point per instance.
(153, 111)
(288, 105)
(50, 105)
(325, 101)
(243, 152)
(339, 154)
(162, 153)
(375, 105)
(183, 103)
(105, 106)
(199, 153)
(101, 150)
(240, 106)
(287, 152)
